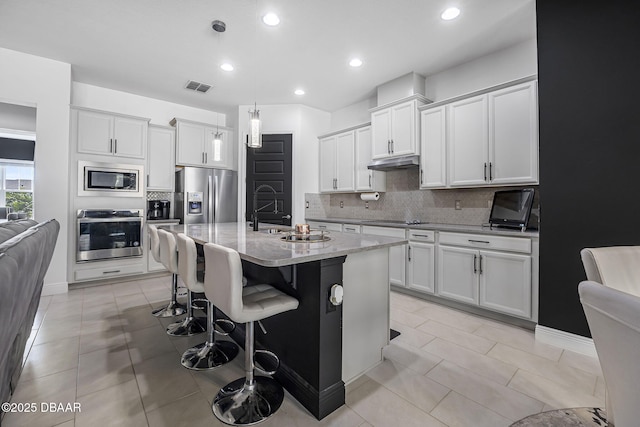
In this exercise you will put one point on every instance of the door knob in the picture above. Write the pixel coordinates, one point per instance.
(286, 217)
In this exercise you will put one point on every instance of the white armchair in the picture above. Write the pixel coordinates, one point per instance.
(616, 267)
(614, 321)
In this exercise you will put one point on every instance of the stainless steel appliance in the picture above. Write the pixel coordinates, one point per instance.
(158, 209)
(106, 179)
(206, 195)
(107, 234)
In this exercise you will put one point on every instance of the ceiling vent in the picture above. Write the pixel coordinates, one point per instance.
(197, 86)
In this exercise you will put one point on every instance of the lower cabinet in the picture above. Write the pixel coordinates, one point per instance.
(493, 279)
(421, 254)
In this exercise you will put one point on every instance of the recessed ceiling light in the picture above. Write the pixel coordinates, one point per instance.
(355, 62)
(450, 13)
(271, 19)
(299, 92)
(227, 67)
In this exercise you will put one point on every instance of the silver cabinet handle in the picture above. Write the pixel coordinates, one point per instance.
(421, 176)
(350, 229)
(206, 157)
(370, 186)
(111, 272)
(475, 270)
(115, 146)
(420, 235)
(392, 144)
(409, 253)
(147, 180)
(388, 146)
(322, 227)
(480, 259)
(485, 171)
(479, 241)
(490, 175)
(111, 145)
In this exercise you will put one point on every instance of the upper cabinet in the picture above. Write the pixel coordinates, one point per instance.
(109, 134)
(493, 138)
(337, 160)
(344, 157)
(199, 144)
(367, 179)
(394, 128)
(161, 159)
(484, 139)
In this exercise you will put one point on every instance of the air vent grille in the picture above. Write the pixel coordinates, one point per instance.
(197, 86)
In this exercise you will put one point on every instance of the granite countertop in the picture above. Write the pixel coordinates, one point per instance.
(262, 248)
(460, 228)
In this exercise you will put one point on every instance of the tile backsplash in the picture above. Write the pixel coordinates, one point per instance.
(404, 201)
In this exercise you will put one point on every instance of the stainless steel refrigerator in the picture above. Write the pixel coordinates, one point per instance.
(206, 195)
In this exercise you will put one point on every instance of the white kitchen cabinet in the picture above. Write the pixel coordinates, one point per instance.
(351, 228)
(492, 272)
(394, 129)
(196, 145)
(397, 254)
(468, 142)
(492, 138)
(337, 162)
(421, 261)
(366, 179)
(433, 148)
(513, 135)
(161, 159)
(108, 134)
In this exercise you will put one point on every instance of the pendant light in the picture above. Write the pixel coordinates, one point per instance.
(255, 134)
(219, 27)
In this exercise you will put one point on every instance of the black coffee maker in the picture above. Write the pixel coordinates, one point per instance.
(158, 209)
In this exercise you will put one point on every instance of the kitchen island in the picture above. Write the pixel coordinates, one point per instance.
(321, 345)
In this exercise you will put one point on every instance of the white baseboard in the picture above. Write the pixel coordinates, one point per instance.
(566, 340)
(55, 288)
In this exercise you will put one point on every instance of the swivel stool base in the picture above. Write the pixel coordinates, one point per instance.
(209, 355)
(243, 403)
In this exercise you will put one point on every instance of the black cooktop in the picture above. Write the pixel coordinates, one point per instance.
(109, 213)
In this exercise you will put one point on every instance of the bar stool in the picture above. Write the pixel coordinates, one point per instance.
(169, 257)
(251, 399)
(211, 353)
(174, 308)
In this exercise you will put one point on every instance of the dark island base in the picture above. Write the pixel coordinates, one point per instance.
(308, 340)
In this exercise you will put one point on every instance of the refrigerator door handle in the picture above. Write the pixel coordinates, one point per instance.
(216, 200)
(210, 195)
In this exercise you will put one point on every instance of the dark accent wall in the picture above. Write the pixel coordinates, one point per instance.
(589, 103)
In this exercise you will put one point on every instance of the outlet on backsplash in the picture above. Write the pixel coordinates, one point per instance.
(341, 204)
(458, 205)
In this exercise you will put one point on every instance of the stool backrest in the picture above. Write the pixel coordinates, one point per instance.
(224, 285)
(616, 267)
(155, 242)
(187, 260)
(168, 251)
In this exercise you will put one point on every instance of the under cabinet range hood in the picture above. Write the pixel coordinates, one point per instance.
(393, 163)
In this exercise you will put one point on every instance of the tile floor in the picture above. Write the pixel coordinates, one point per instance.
(101, 347)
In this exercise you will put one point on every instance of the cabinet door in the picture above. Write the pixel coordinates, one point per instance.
(433, 148)
(130, 137)
(161, 159)
(94, 132)
(457, 274)
(513, 135)
(403, 129)
(505, 282)
(381, 133)
(328, 164)
(364, 176)
(190, 144)
(217, 153)
(397, 254)
(468, 142)
(345, 162)
(421, 267)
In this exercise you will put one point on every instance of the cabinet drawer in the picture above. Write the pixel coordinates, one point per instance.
(330, 226)
(484, 241)
(350, 228)
(107, 272)
(383, 231)
(422, 235)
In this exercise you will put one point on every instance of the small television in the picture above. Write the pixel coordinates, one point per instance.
(511, 208)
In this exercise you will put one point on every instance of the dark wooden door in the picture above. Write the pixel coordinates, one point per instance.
(270, 165)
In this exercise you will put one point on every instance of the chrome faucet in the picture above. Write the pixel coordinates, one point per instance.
(255, 204)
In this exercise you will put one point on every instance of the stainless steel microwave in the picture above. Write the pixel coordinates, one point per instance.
(106, 179)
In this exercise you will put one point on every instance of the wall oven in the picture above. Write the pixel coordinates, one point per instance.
(106, 179)
(107, 234)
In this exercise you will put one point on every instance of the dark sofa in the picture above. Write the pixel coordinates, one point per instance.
(26, 248)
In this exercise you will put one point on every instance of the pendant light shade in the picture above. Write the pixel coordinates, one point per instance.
(255, 136)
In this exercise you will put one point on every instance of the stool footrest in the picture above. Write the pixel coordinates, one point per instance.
(224, 327)
(264, 359)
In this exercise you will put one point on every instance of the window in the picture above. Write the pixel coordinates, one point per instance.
(16, 186)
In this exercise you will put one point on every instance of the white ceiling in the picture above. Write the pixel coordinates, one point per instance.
(152, 47)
